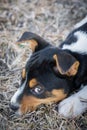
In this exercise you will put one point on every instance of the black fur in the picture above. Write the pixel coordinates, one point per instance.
(53, 68)
(45, 56)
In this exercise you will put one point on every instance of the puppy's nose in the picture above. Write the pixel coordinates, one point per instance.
(14, 107)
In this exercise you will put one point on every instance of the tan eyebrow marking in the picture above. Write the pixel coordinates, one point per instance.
(32, 83)
(24, 73)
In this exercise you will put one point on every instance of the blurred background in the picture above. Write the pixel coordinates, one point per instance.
(51, 19)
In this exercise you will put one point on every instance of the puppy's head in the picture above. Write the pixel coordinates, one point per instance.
(42, 85)
(37, 87)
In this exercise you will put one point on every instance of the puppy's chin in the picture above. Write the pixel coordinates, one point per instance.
(18, 113)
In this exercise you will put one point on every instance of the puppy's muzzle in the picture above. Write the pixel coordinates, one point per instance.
(14, 107)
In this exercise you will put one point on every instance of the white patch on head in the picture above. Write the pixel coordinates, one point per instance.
(82, 22)
(80, 45)
(74, 105)
(17, 94)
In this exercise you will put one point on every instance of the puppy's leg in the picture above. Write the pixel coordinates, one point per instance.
(74, 105)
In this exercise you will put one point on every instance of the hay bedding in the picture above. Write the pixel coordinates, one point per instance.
(51, 19)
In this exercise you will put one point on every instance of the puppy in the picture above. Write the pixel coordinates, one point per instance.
(52, 73)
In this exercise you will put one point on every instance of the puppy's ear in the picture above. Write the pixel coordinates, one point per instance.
(66, 64)
(33, 41)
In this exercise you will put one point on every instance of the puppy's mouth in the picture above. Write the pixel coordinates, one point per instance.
(18, 113)
(31, 103)
(23, 109)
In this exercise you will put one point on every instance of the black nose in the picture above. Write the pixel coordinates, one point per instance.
(14, 107)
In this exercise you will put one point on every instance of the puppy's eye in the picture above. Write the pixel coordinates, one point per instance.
(38, 90)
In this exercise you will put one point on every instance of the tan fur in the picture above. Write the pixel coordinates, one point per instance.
(33, 83)
(31, 43)
(24, 73)
(72, 70)
(30, 103)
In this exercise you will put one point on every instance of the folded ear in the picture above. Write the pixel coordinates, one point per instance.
(33, 41)
(66, 64)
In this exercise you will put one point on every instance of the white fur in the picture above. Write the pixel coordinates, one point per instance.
(81, 45)
(18, 113)
(17, 94)
(81, 22)
(75, 104)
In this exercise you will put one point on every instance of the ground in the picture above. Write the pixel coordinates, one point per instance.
(51, 19)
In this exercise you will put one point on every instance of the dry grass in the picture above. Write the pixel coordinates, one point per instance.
(51, 19)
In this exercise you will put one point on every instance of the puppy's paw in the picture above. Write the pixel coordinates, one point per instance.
(72, 106)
